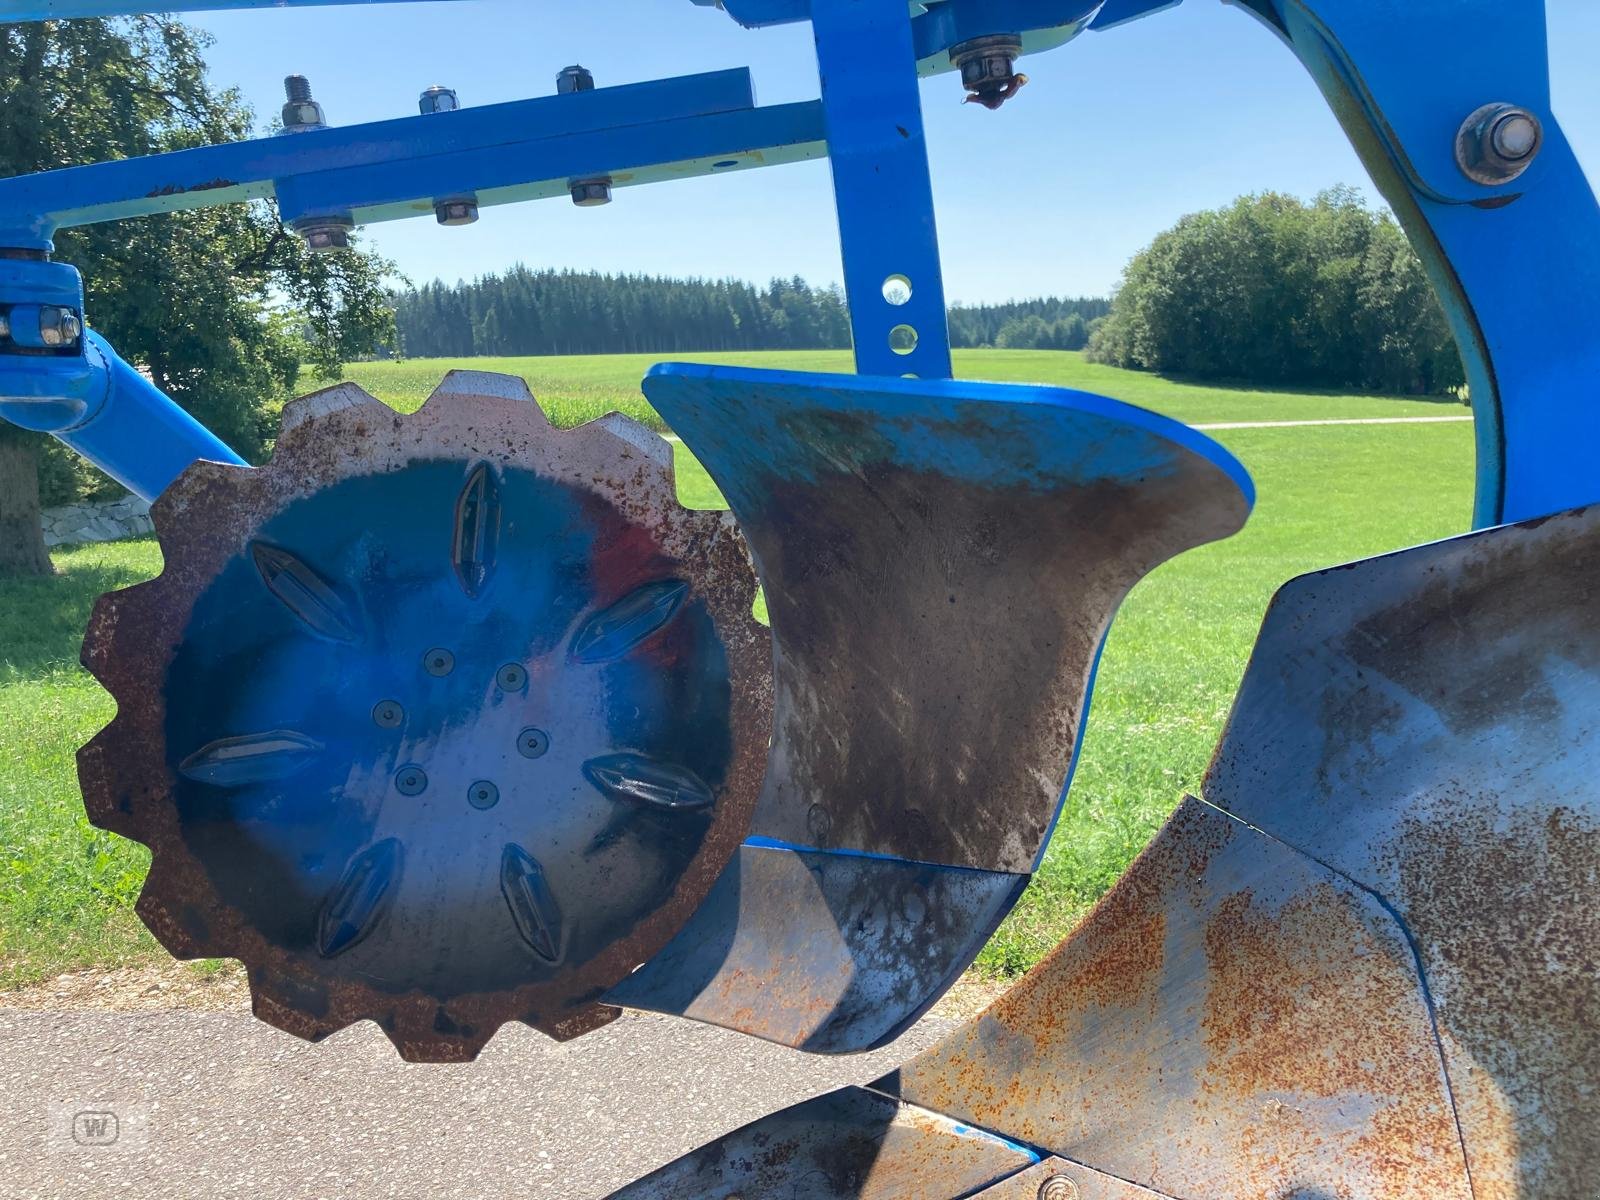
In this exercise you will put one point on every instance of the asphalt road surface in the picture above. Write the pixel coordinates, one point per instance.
(214, 1104)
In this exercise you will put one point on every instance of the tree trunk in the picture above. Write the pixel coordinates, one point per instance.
(22, 549)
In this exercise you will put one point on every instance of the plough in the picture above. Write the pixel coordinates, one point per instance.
(454, 719)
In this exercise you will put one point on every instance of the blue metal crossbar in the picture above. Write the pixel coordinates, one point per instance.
(385, 170)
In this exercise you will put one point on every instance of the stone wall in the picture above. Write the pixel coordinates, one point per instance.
(96, 521)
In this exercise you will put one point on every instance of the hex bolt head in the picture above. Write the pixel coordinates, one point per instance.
(59, 327)
(591, 193)
(1497, 143)
(1058, 1187)
(411, 781)
(322, 234)
(438, 99)
(453, 214)
(438, 662)
(388, 714)
(574, 79)
(533, 743)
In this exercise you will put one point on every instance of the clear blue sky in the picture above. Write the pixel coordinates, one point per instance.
(1118, 135)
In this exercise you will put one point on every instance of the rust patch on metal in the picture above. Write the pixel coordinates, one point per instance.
(1059, 1179)
(1428, 723)
(1274, 1037)
(176, 189)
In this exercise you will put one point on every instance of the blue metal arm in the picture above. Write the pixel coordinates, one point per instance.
(88, 397)
(696, 125)
(1516, 262)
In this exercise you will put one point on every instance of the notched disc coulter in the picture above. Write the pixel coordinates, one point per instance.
(440, 720)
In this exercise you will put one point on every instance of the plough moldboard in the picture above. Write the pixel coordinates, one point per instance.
(454, 719)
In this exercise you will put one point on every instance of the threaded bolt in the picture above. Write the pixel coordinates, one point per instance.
(59, 327)
(301, 112)
(1058, 1187)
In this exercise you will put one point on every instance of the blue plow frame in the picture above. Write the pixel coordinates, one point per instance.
(874, 504)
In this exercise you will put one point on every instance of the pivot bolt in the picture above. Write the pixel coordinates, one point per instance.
(591, 193)
(574, 79)
(59, 326)
(988, 67)
(438, 99)
(301, 112)
(1498, 142)
(1058, 1187)
(322, 234)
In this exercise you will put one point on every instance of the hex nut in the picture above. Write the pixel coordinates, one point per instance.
(591, 193)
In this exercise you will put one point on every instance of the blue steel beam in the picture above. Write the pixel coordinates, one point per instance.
(637, 133)
(882, 188)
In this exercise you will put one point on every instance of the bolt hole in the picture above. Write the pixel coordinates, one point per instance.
(897, 290)
(902, 339)
(725, 164)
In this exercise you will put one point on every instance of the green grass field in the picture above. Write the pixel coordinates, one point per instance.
(1326, 495)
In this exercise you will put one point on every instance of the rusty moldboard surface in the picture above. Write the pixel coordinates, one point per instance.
(1231, 1020)
(941, 561)
(1058, 1179)
(465, 750)
(852, 1144)
(832, 953)
(1428, 724)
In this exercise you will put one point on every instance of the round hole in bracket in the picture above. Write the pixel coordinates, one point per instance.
(902, 339)
(897, 290)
